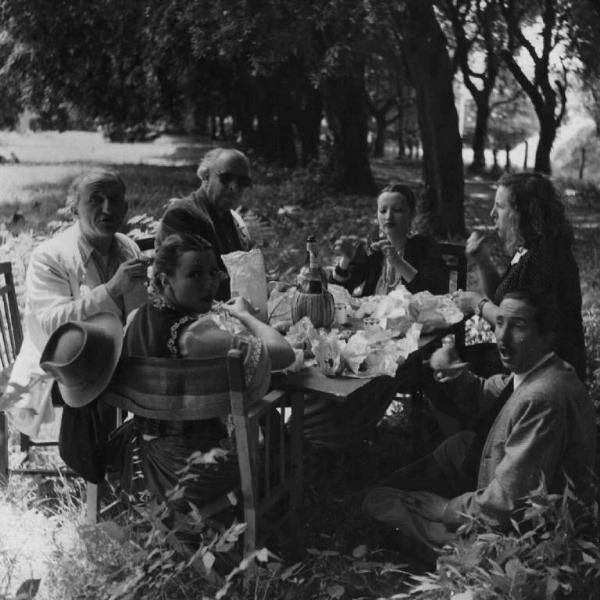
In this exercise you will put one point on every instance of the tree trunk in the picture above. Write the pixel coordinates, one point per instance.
(380, 130)
(284, 129)
(526, 157)
(243, 116)
(308, 123)
(265, 117)
(544, 147)
(479, 136)
(431, 72)
(344, 99)
(507, 165)
(400, 134)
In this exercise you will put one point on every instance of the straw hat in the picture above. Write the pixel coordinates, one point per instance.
(82, 356)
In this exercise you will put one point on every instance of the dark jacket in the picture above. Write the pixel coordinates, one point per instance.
(551, 268)
(193, 214)
(422, 252)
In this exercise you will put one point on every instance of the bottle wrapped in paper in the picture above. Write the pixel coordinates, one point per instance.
(248, 278)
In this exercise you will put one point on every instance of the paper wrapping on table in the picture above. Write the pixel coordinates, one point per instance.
(366, 306)
(393, 311)
(434, 312)
(362, 353)
(327, 349)
(248, 278)
(410, 342)
(340, 294)
(301, 334)
(356, 351)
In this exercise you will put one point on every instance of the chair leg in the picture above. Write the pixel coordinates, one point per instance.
(3, 449)
(92, 503)
(297, 441)
(251, 531)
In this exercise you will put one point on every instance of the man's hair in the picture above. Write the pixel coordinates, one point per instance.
(170, 251)
(541, 213)
(89, 177)
(209, 159)
(544, 305)
(404, 190)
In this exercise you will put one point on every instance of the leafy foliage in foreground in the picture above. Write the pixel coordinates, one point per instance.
(553, 552)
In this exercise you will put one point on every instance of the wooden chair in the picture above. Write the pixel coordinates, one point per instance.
(186, 389)
(11, 338)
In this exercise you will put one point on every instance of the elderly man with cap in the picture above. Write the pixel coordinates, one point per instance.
(209, 211)
(84, 270)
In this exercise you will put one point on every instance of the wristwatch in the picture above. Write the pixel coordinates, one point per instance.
(479, 309)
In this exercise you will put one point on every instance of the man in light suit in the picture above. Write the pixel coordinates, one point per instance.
(84, 270)
(544, 431)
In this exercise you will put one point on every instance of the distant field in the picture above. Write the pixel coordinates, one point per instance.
(49, 160)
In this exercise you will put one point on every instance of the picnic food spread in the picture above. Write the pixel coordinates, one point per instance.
(377, 333)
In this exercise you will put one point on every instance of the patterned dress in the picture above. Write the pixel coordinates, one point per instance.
(150, 452)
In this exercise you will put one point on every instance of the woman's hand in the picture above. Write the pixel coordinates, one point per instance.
(477, 247)
(392, 254)
(239, 307)
(467, 301)
(347, 246)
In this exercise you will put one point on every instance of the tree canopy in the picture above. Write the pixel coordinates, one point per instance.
(296, 82)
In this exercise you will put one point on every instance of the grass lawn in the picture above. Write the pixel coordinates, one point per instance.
(345, 557)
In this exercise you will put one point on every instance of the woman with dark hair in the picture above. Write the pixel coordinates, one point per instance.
(398, 258)
(531, 223)
(179, 322)
(414, 261)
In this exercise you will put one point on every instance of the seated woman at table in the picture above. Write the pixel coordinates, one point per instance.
(399, 258)
(530, 220)
(177, 322)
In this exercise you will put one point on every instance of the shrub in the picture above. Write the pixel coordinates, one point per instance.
(553, 552)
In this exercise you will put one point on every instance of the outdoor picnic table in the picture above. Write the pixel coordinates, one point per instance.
(311, 380)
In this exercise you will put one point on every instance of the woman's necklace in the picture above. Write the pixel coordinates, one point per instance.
(392, 277)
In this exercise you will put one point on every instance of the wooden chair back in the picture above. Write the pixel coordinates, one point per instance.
(11, 338)
(190, 389)
(456, 263)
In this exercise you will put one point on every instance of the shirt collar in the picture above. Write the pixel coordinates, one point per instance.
(519, 254)
(520, 377)
(86, 249)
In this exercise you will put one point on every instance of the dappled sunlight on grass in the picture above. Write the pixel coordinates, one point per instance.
(26, 541)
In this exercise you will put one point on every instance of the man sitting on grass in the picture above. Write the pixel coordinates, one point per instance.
(543, 433)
